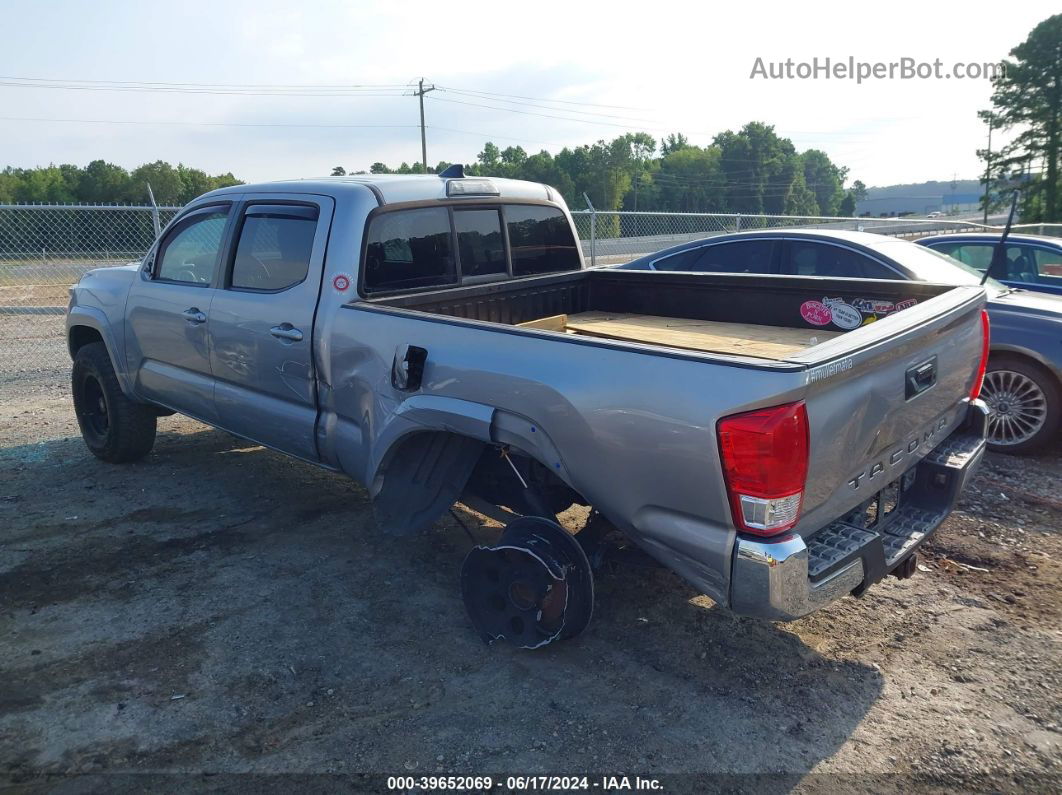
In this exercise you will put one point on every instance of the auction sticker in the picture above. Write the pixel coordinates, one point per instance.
(845, 316)
(816, 313)
(341, 283)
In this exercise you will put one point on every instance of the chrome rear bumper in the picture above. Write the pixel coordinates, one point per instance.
(787, 577)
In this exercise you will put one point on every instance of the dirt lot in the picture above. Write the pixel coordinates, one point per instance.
(34, 295)
(220, 609)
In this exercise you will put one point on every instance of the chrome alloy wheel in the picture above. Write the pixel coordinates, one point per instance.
(1017, 407)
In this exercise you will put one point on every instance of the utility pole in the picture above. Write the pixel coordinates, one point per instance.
(988, 166)
(420, 92)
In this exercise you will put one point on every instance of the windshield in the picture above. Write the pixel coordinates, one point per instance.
(932, 266)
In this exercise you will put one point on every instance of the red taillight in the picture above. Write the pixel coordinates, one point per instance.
(765, 463)
(975, 391)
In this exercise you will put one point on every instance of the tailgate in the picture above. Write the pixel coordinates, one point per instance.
(881, 397)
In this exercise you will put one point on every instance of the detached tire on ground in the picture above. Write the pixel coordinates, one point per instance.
(116, 429)
(1024, 404)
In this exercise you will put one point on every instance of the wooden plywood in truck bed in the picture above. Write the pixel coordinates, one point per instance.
(746, 339)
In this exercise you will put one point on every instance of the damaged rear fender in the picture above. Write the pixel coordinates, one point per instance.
(422, 476)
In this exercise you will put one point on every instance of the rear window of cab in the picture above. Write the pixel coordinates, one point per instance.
(436, 246)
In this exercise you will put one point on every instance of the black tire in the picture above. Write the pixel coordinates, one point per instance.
(1010, 391)
(115, 429)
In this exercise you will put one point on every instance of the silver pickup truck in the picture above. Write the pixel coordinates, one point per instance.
(778, 441)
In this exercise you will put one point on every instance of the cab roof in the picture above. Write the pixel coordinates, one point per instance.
(396, 188)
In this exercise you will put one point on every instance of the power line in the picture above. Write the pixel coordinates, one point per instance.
(538, 99)
(561, 118)
(146, 83)
(209, 123)
(546, 107)
(633, 128)
(489, 136)
(207, 90)
(49, 82)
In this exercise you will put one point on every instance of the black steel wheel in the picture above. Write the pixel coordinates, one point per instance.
(115, 428)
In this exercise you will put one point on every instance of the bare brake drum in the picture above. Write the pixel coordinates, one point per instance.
(532, 587)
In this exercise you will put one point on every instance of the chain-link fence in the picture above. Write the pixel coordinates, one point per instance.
(43, 250)
(46, 248)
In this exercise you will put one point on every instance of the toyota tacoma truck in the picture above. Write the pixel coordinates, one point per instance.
(773, 439)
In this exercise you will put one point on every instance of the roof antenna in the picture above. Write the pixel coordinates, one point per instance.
(999, 256)
(456, 171)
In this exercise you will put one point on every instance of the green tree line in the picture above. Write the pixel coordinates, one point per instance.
(101, 182)
(753, 170)
(1028, 98)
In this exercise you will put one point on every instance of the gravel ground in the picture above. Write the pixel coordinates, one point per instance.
(219, 609)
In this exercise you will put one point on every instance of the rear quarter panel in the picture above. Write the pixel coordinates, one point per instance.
(634, 430)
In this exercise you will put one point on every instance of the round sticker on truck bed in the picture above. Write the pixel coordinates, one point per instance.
(816, 313)
(845, 316)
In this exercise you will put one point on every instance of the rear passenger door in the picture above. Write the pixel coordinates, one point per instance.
(261, 322)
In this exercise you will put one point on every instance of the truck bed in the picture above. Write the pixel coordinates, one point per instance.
(630, 423)
(713, 336)
(749, 316)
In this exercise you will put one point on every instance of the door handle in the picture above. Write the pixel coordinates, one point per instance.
(193, 315)
(285, 331)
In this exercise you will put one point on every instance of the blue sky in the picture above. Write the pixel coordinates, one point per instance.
(605, 68)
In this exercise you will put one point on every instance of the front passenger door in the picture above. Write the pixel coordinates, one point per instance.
(168, 311)
(261, 325)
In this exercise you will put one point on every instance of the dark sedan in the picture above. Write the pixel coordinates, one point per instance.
(1023, 387)
(1032, 263)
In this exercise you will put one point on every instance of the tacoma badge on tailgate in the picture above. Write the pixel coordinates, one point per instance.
(897, 455)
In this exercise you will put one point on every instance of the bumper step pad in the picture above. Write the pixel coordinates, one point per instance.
(956, 452)
(834, 546)
(906, 531)
(937, 482)
(880, 549)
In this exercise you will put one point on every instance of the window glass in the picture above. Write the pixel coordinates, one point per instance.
(683, 261)
(190, 254)
(932, 264)
(746, 256)
(479, 241)
(274, 248)
(1021, 264)
(823, 259)
(1024, 263)
(944, 248)
(976, 255)
(1048, 263)
(409, 248)
(541, 240)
